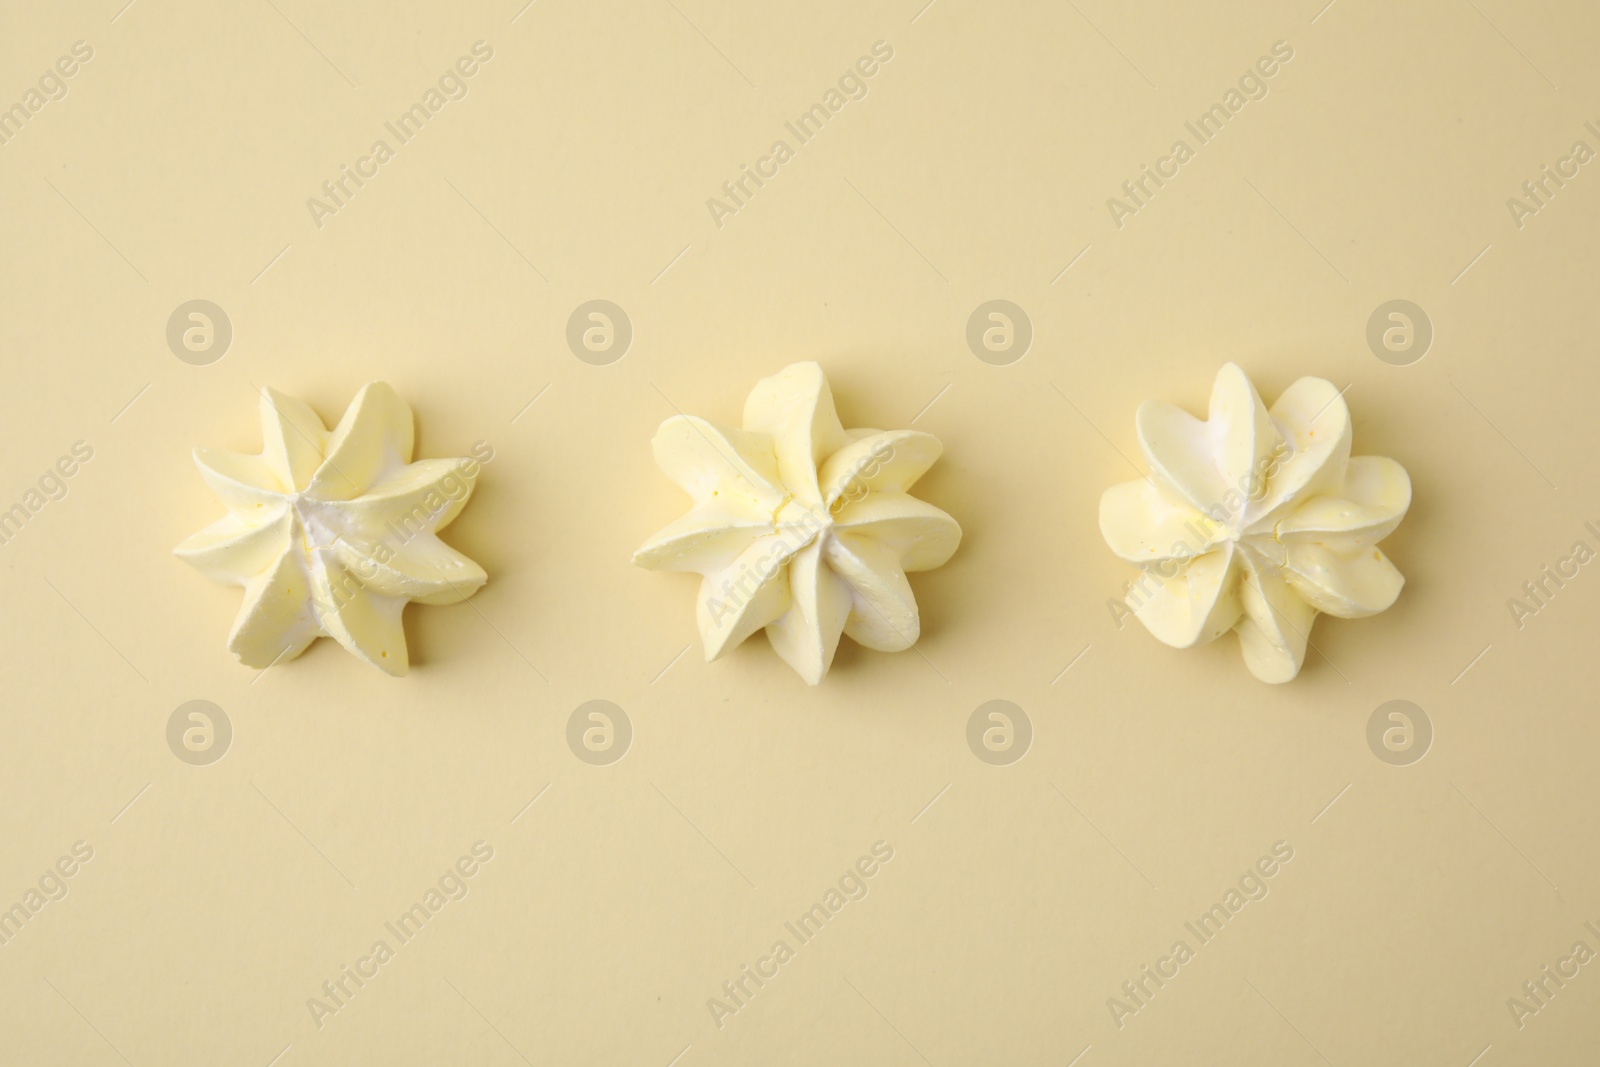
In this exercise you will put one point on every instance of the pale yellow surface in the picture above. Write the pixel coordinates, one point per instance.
(977, 167)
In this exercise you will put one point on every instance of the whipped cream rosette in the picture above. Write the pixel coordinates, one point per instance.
(332, 534)
(1255, 520)
(799, 526)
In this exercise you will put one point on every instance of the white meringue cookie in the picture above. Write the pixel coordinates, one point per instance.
(1256, 520)
(800, 526)
(332, 534)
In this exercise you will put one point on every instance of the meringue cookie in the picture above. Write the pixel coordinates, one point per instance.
(1255, 520)
(332, 534)
(800, 526)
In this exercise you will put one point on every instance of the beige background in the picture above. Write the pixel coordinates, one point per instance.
(221, 897)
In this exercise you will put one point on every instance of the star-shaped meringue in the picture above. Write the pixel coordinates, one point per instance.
(800, 526)
(1256, 520)
(333, 533)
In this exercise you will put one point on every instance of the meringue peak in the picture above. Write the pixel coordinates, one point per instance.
(799, 526)
(1255, 520)
(331, 533)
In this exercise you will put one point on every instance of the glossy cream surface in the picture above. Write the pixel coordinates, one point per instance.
(1254, 520)
(800, 526)
(332, 533)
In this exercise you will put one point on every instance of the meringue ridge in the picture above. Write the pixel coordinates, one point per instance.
(1255, 520)
(332, 533)
(800, 527)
